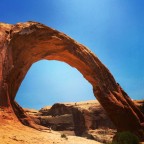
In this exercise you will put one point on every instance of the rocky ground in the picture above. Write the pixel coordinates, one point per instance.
(86, 119)
(60, 118)
(19, 134)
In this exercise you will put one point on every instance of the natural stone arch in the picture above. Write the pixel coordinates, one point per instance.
(25, 43)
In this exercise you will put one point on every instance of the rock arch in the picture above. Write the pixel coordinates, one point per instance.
(25, 43)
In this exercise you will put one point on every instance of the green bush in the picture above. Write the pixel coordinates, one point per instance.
(125, 138)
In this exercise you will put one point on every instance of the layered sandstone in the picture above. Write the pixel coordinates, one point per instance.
(86, 119)
(23, 44)
(79, 117)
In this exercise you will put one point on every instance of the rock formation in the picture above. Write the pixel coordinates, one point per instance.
(52, 117)
(58, 109)
(79, 117)
(23, 44)
(140, 105)
(90, 118)
(86, 119)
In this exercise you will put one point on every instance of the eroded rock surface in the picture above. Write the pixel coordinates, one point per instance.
(140, 105)
(23, 44)
(87, 119)
(79, 117)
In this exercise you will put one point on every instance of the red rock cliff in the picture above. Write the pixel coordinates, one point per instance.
(23, 44)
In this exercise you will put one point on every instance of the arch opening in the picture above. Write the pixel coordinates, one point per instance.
(50, 87)
(49, 81)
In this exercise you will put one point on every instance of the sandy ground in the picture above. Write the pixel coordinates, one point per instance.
(18, 134)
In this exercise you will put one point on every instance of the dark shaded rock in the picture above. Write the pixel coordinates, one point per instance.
(140, 105)
(90, 116)
(80, 117)
(59, 109)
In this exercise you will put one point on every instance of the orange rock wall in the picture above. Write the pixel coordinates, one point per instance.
(23, 44)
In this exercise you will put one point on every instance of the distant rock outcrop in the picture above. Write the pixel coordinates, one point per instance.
(57, 109)
(84, 118)
(23, 44)
(80, 117)
(87, 119)
(90, 116)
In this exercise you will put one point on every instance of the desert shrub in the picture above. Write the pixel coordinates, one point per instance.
(125, 138)
(64, 136)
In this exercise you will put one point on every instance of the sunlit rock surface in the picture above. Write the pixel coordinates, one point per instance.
(23, 44)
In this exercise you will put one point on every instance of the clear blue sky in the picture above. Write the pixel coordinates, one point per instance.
(112, 29)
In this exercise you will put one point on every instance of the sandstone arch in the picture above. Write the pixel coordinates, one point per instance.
(25, 43)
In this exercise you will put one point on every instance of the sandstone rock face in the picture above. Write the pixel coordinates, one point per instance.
(23, 44)
(86, 119)
(58, 109)
(140, 105)
(89, 115)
